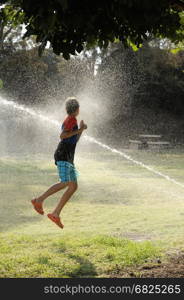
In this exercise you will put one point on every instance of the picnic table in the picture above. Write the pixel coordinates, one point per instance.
(149, 141)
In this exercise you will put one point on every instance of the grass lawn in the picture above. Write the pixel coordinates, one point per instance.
(122, 215)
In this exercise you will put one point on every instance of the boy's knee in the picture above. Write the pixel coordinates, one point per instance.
(73, 186)
(62, 185)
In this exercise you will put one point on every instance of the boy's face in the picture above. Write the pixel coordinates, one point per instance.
(76, 112)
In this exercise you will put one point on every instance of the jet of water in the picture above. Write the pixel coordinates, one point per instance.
(93, 140)
(89, 138)
(28, 110)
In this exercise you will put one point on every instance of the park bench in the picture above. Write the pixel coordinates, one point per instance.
(150, 142)
(160, 145)
(137, 145)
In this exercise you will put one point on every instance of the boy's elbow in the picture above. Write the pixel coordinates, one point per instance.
(63, 136)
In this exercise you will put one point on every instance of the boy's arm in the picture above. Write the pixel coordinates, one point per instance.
(82, 124)
(67, 134)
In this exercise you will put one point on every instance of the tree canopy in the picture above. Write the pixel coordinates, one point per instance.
(70, 25)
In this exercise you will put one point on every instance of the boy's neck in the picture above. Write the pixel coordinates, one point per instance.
(72, 115)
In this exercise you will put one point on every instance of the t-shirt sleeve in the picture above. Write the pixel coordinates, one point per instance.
(69, 124)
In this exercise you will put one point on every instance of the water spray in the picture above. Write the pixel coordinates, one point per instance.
(93, 140)
(89, 139)
(27, 110)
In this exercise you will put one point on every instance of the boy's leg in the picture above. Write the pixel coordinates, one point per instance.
(52, 190)
(72, 187)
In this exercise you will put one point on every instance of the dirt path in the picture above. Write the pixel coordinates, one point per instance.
(173, 267)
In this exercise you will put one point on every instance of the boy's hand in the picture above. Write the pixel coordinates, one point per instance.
(83, 125)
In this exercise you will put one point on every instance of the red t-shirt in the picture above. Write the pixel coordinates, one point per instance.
(66, 147)
(69, 123)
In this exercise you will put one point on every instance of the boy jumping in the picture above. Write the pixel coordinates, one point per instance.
(64, 160)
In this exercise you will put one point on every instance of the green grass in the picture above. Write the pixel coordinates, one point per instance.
(121, 215)
(54, 256)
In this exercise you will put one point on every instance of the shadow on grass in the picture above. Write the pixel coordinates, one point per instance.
(85, 269)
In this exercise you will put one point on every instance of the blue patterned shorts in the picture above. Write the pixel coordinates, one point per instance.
(67, 171)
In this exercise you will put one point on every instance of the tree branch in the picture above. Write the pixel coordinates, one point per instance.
(177, 4)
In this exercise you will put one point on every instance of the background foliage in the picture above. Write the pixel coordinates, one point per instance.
(70, 25)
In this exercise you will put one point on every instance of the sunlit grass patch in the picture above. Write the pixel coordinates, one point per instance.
(26, 256)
